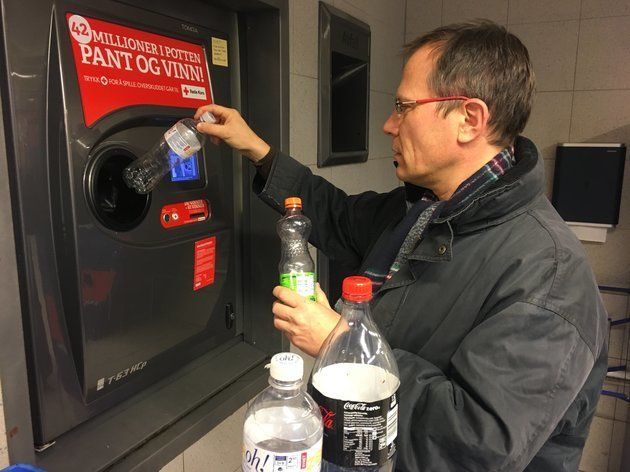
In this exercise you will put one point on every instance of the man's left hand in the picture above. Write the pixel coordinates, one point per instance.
(306, 323)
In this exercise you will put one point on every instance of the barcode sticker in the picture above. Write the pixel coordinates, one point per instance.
(392, 424)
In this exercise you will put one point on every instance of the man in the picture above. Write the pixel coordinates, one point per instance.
(481, 289)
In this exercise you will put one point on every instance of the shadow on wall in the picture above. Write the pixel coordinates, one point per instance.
(617, 135)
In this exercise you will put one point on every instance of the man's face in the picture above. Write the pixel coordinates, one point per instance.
(424, 141)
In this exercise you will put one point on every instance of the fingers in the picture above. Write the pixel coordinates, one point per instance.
(288, 296)
(305, 323)
(322, 299)
(219, 131)
(217, 110)
(282, 311)
(283, 326)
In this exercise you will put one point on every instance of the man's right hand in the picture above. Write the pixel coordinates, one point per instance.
(232, 130)
(307, 324)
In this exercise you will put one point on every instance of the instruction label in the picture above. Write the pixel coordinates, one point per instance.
(219, 52)
(205, 259)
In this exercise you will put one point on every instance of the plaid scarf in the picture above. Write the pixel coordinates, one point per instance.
(408, 233)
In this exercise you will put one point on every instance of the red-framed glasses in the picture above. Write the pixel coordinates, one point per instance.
(401, 105)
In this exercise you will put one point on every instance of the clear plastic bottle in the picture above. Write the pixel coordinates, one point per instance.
(283, 426)
(297, 269)
(179, 143)
(355, 381)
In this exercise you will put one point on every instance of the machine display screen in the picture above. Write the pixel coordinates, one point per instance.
(187, 170)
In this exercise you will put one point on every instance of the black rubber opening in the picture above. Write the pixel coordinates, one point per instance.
(115, 205)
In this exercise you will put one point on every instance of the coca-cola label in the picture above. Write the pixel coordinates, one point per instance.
(358, 434)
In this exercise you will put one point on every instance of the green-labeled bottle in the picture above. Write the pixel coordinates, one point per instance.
(297, 269)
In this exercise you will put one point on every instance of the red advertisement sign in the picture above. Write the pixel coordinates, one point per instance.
(205, 257)
(119, 67)
(174, 215)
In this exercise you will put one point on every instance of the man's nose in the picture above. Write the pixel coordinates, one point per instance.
(391, 125)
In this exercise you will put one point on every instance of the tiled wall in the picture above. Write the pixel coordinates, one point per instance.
(581, 58)
(386, 20)
(4, 454)
(221, 449)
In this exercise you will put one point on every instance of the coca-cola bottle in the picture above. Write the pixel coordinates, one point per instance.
(355, 381)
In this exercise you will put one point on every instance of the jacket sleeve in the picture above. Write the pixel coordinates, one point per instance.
(508, 385)
(344, 227)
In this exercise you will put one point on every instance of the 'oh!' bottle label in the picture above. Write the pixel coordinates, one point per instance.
(257, 459)
(358, 434)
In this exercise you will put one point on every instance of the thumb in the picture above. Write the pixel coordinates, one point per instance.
(322, 299)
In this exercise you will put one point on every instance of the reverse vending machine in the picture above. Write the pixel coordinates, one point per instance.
(124, 295)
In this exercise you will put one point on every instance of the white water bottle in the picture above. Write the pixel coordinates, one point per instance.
(355, 381)
(181, 141)
(283, 426)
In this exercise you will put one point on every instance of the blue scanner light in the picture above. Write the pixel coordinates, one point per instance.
(186, 170)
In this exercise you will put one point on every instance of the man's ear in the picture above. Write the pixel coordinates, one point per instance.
(474, 123)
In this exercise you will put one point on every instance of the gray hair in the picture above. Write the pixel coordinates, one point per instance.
(481, 59)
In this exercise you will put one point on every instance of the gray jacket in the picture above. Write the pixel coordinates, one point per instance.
(496, 320)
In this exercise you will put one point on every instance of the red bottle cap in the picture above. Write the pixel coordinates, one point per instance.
(293, 202)
(356, 288)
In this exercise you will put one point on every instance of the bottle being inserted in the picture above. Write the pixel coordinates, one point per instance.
(179, 143)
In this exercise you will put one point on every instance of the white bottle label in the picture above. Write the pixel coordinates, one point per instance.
(306, 284)
(392, 421)
(178, 144)
(257, 459)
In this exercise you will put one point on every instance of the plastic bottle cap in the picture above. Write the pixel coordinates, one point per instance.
(287, 367)
(292, 202)
(357, 289)
(208, 117)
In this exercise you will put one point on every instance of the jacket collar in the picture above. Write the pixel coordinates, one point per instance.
(507, 197)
